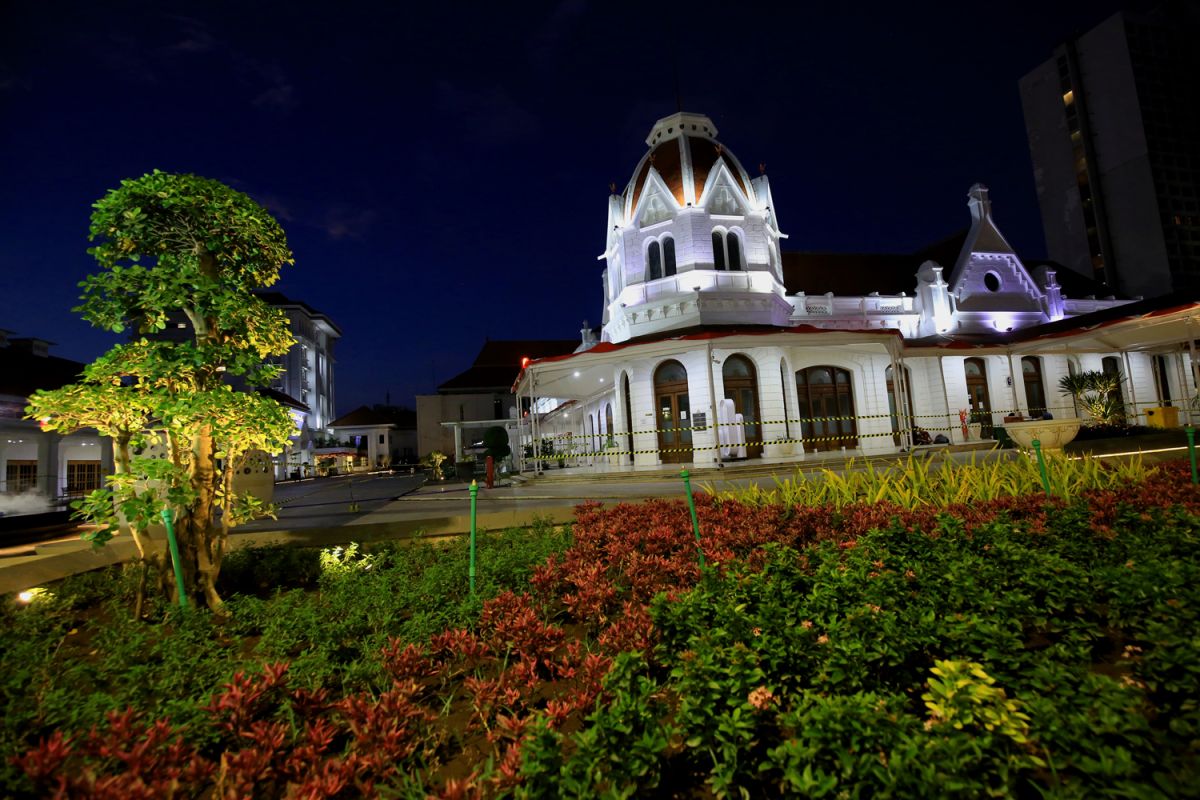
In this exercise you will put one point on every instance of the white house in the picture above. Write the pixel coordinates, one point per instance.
(707, 320)
(32, 460)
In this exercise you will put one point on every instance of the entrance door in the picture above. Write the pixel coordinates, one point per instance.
(673, 413)
(741, 386)
(977, 395)
(826, 399)
(1035, 390)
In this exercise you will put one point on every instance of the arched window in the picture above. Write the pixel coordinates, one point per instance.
(727, 250)
(668, 245)
(654, 262)
(734, 246)
(718, 240)
(1035, 393)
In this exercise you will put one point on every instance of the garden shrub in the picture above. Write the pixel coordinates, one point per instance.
(1004, 644)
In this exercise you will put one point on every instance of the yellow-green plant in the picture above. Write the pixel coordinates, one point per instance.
(964, 696)
(434, 461)
(918, 482)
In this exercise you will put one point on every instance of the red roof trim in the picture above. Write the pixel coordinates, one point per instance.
(699, 336)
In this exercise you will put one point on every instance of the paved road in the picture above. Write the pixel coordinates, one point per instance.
(325, 502)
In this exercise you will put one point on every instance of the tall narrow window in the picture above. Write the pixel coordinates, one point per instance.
(1035, 392)
(654, 262)
(668, 245)
(727, 250)
(718, 240)
(735, 250)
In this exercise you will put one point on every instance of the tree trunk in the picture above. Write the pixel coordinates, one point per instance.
(201, 568)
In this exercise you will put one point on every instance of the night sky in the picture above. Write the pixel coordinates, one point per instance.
(442, 169)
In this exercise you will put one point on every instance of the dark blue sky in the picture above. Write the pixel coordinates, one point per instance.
(442, 169)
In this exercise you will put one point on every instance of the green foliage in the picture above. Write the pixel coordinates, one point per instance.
(372, 592)
(961, 694)
(947, 664)
(621, 750)
(175, 247)
(1097, 392)
(919, 482)
(77, 653)
(495, 440)
(258, 570)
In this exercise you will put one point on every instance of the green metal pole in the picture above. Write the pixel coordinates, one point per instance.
(1191, 434)
(474, 500)
(173, 543)
(687, 487)
(1037, 448)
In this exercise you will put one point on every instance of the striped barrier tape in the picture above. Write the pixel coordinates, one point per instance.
(800, 421)
(802, 440)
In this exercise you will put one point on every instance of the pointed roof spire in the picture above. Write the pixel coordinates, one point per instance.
(978, 202)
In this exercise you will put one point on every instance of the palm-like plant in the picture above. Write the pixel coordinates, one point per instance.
(1098, 393)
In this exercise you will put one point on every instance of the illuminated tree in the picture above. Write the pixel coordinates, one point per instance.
(175, 248)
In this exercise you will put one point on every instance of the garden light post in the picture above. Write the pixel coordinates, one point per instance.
(173, 543)
(471, 567)
(1037, 448)
(687, 487)
(1191, 434)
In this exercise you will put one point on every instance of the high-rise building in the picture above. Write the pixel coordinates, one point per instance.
(1113, 119)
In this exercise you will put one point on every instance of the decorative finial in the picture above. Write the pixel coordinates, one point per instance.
(762, 168)
(612, 188)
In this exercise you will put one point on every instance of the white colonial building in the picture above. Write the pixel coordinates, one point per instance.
(306, 384)
(707, 320)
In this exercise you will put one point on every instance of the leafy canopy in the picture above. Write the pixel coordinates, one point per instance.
(179, 252)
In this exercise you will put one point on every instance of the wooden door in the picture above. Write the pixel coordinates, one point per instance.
(978, 399)
(827, 417)
(673, 413)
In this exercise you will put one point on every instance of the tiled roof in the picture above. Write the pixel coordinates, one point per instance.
(498, 363)
(380, 415)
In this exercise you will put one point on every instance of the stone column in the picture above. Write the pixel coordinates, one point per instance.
(48, 466)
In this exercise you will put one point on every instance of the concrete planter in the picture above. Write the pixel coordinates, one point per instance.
(1052, 433)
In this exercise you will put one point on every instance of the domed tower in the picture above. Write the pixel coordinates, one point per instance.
(692, 240)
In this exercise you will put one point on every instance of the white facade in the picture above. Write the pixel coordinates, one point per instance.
(703, 323)
(307, 378)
